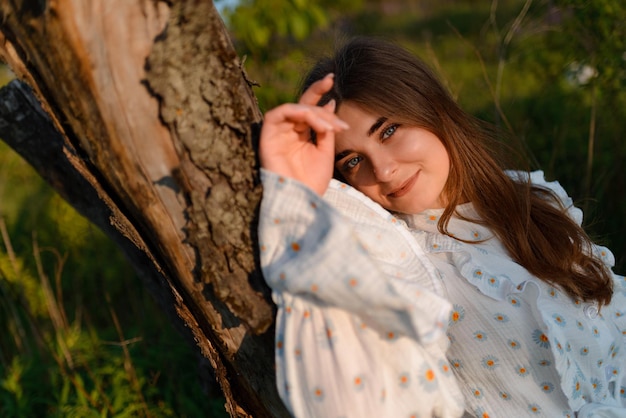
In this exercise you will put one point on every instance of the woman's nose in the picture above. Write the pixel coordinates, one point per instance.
(384, 168)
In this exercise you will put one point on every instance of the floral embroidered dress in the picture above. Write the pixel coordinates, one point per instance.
(360, 327)
(519, 346)
(365, 304)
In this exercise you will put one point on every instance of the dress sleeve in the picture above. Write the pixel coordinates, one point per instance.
(357, 333)
(309, 249)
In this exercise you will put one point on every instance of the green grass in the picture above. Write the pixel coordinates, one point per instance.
(82, 338)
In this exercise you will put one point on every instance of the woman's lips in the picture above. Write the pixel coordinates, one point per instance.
(405, 188)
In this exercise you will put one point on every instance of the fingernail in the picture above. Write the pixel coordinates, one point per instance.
(332, 104)
(331, 75)
(342, 124)
(327, 126)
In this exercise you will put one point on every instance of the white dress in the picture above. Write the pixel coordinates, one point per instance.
(370, 311)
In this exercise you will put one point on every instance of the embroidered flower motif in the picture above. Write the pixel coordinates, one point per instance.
(540, 339)
(481, 413)
(534, 408)
(478, 393)
(428, 379)
(404, 380)
(584, 351)
(494, 281)
(476, 235)
(456, 363)
(558, 346)
(622, 392)
(514, 344)
(478, 273)
(547, 387)
(505, 396)
(318, 393)
(457, 314)
(596, 384)
(544, 363)
(576, 389)
(553, 293)
(515, 302)
(613, 371)
(595, 331)
(580, 325)
(559, 320)
(490, 362)
(358, 383)
(500, 317)
(444, 367)
(522, 371)
(480, 336)
(330, 334)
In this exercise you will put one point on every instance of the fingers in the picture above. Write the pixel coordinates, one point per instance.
(314, 93)
(320, 119)
(330, 106)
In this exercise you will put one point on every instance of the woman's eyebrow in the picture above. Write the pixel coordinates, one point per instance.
(343, 154)
(376, 125)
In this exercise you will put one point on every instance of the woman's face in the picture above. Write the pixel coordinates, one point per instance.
(403, 168)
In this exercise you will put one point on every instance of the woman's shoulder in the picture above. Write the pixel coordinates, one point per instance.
(537, 179)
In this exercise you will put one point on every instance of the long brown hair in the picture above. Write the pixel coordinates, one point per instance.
(531, 222)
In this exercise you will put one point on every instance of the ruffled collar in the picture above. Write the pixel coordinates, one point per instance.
(478, 255)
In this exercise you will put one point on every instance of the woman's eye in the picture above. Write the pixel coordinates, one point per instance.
(389, 131)
(352, 162)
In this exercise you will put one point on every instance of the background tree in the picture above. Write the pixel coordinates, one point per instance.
(154, 145)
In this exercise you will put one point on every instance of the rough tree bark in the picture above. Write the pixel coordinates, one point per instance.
(139, 114)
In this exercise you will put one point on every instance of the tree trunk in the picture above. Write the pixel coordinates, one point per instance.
(141, 117)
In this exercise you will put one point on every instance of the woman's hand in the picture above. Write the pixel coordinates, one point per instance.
(286, 147)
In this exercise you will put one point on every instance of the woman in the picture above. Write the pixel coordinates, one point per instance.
(534, 324)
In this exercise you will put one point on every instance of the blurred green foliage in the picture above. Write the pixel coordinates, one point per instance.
(80, 335)
(551, 71)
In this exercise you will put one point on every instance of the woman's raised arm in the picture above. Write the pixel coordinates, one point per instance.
(286, 147)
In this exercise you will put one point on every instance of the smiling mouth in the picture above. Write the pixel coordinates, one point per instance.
(405, 188)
